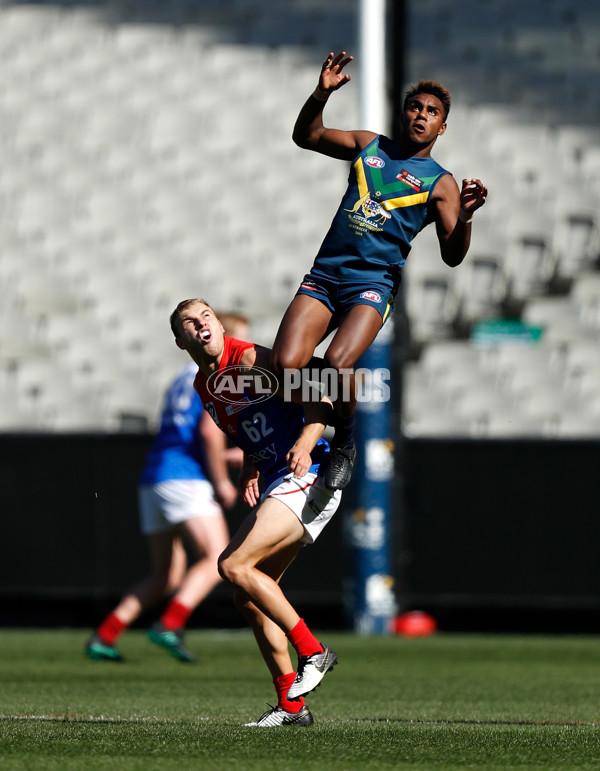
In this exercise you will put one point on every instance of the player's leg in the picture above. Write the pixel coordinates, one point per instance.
(273, 645)
(269, 530)
(208, 536)
(355, 333)
(302, 328)
(357, 330)
(205, 530)
(273, 529)
(168, 568)
(271, 639)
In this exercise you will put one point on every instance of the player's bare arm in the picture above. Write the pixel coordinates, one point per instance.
(309, 131)
(213, 444)
(316, 416)
(452, 212)
(253, 356)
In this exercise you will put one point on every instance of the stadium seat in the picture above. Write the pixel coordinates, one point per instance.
(578, 425)
(585, 292)
(39, 212)
(510, 423)
(478, 405)
(14, 419)
(530, 256)
(432, 299)
(435, 423)
(518, 368)
(576, 235)
(438, 358)
(39, 294)
(481, 284)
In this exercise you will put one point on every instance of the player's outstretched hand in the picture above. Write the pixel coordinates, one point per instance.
(472, 195)
(332, 76)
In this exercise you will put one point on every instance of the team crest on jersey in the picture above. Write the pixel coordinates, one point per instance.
(374, 162)
(371, 295)
(370, 210)
(410, 179)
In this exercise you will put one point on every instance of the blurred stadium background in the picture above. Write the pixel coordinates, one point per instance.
(146, 156)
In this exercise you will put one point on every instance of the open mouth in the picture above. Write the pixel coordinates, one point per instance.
(205, 335)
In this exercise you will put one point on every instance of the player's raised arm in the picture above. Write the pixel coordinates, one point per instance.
(309, 131)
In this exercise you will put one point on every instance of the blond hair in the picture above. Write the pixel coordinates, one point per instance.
(182, 306)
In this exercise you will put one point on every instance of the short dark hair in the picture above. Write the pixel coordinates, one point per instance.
(429, 87)
(182, 306)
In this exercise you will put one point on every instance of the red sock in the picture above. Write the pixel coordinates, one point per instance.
(303, 640)
(282, 686)
(110, 629)
(175, 616)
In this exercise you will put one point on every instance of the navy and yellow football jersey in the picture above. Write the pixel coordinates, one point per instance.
(383, 209)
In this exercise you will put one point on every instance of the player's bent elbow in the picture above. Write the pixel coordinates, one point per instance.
(301, 139)
(306, 140)
(453, 260)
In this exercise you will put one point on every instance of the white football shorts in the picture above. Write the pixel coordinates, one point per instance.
(166, 504)
(309, 499)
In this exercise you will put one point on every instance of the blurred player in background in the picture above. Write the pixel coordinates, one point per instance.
(395, 189)
(183, 489)
(235, 324)
(282, 443)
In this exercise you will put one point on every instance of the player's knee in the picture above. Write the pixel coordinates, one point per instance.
(221, 562)
(338, 360)
(228, 570)
(285, 359)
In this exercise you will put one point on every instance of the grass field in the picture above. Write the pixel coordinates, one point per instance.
(444, 702)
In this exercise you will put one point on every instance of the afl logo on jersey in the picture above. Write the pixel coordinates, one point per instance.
(231, 383)
(374, 162)
(371, 295)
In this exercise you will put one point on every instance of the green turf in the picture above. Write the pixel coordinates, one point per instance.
(444, 702)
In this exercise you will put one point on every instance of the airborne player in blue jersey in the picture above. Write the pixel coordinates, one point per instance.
(395, 189)
(281, 439)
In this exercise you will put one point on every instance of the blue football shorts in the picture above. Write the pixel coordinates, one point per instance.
(341, 296)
